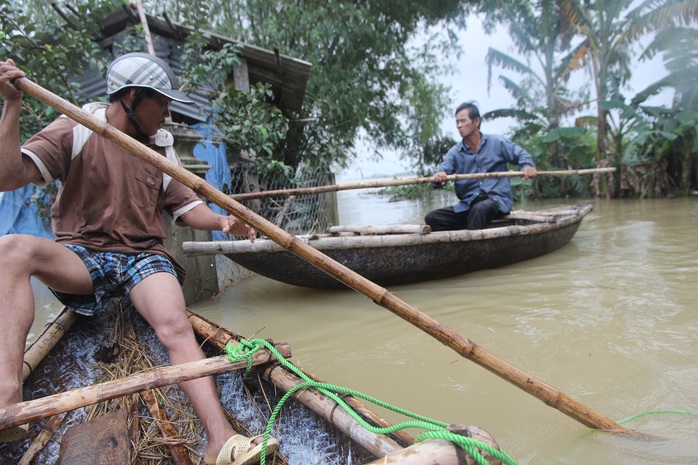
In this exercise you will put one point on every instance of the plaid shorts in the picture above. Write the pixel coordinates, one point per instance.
(113, 274)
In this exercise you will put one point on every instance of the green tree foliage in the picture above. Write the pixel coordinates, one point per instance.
(375, 69)
(375, 72)
(560, 36)
(245, 121)
(51, 50)
(543, 37)
(376, 75)
(611, 32)
(665, 140)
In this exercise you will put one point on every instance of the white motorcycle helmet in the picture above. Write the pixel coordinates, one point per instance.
(144, 70)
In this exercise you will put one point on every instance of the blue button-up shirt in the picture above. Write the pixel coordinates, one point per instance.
(495, 154)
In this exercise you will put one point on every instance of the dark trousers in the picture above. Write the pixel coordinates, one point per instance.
(480, 215)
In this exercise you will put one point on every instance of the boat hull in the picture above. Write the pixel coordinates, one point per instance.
(438, 255)
(90, 351)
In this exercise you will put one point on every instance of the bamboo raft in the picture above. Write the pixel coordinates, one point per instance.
(404, 254)
(93, 395)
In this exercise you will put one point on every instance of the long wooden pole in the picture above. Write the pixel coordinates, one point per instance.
(404, 181)
(463, 346)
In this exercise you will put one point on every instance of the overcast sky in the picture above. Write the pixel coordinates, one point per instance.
(469, 82)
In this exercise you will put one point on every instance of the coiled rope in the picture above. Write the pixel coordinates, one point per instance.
(433, 429)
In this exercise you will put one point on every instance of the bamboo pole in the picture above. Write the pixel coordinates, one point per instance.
(42, 439)
(420, 229)
(32, 410)
(432, 451)
(47, 340)
(463, 346)
(404, 181)
(146, 28)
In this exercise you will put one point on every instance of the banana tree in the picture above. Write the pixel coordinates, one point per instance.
(675, 136)
(611, 32)
(543, 39)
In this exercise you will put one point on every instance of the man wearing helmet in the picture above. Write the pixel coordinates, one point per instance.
(109, 233)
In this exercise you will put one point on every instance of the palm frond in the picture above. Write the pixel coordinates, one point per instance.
(651, 90)
(563, 133)
(496, 58)
(516, 91)
(655, 15)
(521, 115)
(573, 61)
(575, 15)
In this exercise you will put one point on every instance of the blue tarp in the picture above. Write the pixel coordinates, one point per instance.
(219, 174)
(18, 214)
(215, 156)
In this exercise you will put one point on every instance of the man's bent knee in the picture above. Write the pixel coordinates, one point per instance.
(482, 213)
(173, 330)
(19, 253)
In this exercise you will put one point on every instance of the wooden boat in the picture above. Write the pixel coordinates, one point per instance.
(75, 421)
(403, 254)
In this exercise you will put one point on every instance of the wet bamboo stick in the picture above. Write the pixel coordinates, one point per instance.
(32, 410)
(548, 394)
(404, 181)
(42, 439)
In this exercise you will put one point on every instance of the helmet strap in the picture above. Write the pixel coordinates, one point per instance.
(140, 135)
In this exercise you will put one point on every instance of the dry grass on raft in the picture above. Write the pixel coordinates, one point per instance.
(149, 445)
(129, 356)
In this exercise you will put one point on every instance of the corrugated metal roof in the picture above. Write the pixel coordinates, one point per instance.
(288, 76)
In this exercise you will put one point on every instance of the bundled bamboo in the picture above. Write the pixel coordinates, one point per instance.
(386, 229)
(326, 243)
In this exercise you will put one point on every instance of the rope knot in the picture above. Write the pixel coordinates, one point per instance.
(243, 350)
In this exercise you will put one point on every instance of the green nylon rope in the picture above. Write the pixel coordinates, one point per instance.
(434, 429)
(654, 412)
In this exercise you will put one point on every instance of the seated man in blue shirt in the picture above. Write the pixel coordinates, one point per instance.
(481, 200)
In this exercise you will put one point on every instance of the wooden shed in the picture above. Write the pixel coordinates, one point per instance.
(287, 76)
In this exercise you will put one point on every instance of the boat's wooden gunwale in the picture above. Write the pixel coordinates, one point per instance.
(321, 404)
(333, 242)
